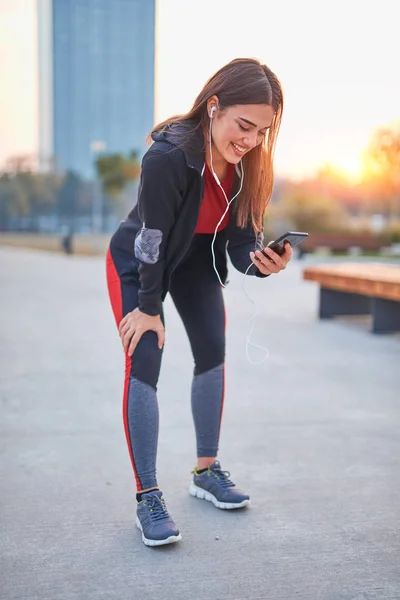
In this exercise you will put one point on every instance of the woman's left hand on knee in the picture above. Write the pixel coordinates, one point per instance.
(135, 324)
(274, 263)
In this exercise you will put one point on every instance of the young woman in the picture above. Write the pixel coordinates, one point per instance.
(175, 240)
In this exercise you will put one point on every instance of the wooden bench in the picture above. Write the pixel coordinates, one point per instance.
(357, 289)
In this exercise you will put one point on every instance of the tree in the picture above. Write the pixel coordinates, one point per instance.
(382, 167)
(24, 192)
(14, 200)
(307, 212)
(41, 190)
(115, 171)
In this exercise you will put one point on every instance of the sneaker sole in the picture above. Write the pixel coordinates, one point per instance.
(198, 492)
(170, 540)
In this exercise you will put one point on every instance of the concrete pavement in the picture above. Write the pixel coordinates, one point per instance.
(312, 435)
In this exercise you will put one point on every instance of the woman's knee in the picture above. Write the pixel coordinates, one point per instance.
(208, 354)
(145, 362)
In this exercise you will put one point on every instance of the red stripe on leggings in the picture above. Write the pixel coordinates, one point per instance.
(114, 292)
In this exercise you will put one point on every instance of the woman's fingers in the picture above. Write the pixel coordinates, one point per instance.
(124, 329)
(161, 337)
(288, 252)
(269, 261)
(276, 259)
(134, 325)
(123, 323)
(265, 265)
(127, 338)
(134, 342)
(263, 268)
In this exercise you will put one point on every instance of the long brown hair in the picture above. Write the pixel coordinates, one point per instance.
(244, 81)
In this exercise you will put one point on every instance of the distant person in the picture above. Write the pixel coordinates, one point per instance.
(197, 164)
(67, 241)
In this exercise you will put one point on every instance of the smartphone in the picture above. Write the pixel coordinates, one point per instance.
(293, 237)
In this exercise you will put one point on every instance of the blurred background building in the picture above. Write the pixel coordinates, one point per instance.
(96, 79)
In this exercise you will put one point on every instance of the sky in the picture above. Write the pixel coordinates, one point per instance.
(337, 62)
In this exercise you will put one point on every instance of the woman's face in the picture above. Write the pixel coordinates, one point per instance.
(238, 129)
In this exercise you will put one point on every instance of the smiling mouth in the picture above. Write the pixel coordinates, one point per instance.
(239, 148)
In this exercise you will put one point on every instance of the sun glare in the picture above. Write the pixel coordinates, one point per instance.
(349, 170)
(352, 170)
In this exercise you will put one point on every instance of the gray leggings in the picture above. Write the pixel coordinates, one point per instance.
(198, 298)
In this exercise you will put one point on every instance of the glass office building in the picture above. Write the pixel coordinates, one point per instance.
(96, 78)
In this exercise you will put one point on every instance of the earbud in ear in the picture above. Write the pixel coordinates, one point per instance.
(213, 109)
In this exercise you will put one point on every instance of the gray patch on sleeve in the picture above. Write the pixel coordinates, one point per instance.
(147, 245)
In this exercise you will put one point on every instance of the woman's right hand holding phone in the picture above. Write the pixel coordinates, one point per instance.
(269, 262)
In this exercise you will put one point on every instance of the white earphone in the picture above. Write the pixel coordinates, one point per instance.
(228, 203)
(212, 111)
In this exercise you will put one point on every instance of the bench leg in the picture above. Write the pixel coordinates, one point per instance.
(333, 303)
(385, 315)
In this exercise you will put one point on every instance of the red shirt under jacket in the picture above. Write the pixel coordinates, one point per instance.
(213, 205)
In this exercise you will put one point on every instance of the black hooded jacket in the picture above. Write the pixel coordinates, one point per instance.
(158, 231)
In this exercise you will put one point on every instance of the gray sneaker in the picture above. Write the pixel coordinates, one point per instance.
(215, 486)
(154, 522)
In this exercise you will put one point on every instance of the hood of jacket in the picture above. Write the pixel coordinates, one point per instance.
(188, 137)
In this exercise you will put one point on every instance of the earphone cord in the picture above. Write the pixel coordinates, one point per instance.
(228, 203)
(252, 320)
